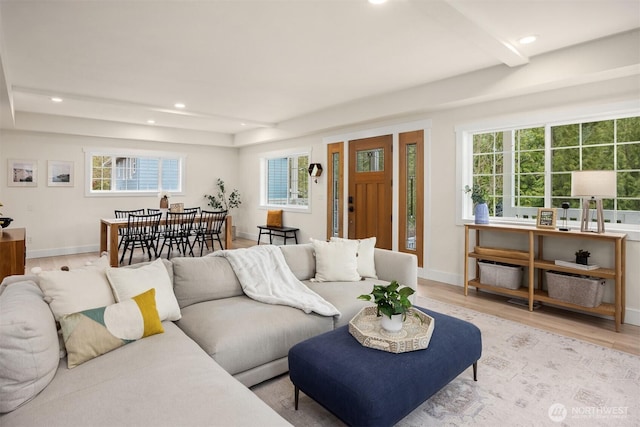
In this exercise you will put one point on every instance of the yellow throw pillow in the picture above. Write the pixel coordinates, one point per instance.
(274, 218)
(92, 333)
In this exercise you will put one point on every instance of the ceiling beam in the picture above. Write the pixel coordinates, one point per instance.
(453, 19)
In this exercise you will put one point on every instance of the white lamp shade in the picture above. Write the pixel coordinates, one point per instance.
(598, 184)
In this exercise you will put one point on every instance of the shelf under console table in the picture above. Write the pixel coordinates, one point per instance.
(534, 259)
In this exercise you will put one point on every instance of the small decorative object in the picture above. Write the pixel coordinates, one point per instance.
(176, 207)
(415, 334)
(393, 304)
(4, 221)
(60, 173)
(546, 218)
(164, 202)
(22, 173)
(481, 210)
(315, 170)
(582, 257)
(565, 214)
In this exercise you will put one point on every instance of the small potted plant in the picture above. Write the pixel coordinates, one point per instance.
(479, 199)
(393, 304)
(582, 257)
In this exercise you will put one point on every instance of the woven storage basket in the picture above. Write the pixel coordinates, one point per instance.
(503, 276)
(584, 291)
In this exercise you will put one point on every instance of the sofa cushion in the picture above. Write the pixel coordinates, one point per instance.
(365, 259)
(300, 259)
(29, 349)
(344, 296)
(203, 279)
(162, 380)
(336, 261)
(77, 289)
(127, 283)
(240, 333)
(97, 331)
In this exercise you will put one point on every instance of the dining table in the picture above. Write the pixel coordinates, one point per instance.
(109, 231)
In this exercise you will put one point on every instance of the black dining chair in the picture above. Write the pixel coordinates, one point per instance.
(125, 214)
(141, 232)
(209, 228)
(177, 231)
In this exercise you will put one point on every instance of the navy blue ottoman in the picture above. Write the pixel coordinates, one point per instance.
(368, 387)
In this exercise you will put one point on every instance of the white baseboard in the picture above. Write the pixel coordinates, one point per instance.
(43, 253)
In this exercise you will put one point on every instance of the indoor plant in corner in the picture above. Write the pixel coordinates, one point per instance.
(393, 304)
(222, 201)
(481, 210)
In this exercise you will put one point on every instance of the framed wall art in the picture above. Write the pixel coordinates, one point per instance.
(60, 173)
(22, 173)
(546, 218)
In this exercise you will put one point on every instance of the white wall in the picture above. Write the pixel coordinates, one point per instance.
(444, 244)
(62, 220)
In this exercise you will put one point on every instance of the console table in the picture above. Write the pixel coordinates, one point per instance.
(13, 250)
(535, 261)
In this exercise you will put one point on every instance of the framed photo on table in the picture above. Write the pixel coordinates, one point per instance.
(546, 218)
(60, 173)
(22, 173)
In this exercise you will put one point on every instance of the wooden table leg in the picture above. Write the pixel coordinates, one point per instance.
(228, 236)
(113, 246)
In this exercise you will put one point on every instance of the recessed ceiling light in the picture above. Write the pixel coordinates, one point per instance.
(377, 1)
(179, 105)
(151, 122)
(56, 99)
(243, 124)
(527, 39)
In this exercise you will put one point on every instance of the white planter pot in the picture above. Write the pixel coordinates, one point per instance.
(392, 325)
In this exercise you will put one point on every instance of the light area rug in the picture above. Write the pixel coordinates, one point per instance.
(526, 377)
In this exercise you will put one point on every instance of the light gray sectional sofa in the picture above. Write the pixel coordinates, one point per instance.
(197, 371)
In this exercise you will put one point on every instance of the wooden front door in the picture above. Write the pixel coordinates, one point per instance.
(370, 195)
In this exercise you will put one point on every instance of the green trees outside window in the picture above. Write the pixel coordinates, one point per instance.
(531, 167)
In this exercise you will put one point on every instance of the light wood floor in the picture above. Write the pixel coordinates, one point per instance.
(581, 326)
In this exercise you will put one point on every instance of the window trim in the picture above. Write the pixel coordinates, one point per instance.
(91, 152)
(464, 152)
(264, 182)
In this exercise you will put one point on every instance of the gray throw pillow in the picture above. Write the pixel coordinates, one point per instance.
(29, 353)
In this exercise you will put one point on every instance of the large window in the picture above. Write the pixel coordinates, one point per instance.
(286, 181)
(124, 173)
(522, 169)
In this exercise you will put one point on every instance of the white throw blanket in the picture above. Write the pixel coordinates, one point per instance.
(265, 276)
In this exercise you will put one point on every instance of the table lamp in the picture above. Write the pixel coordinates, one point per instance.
(593, 186)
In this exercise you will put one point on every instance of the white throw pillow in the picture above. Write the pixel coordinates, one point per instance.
(129, 282)
(77, 289)
(336, 261)
(366, 261)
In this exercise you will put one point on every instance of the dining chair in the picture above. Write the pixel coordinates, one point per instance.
(141, 232)
(209, 228)
(196, 210)
(125, 214)
(177, 230)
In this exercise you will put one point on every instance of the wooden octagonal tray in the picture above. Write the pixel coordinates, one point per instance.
(414, 335)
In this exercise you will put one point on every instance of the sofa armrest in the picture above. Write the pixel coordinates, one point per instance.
(398, 266)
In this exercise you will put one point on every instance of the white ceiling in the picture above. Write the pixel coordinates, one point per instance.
(263, 62)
